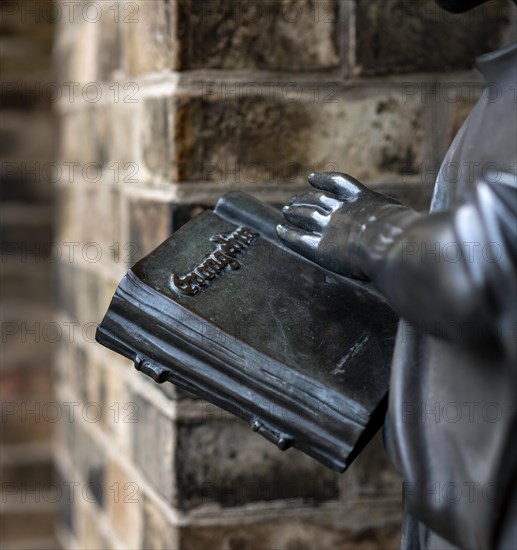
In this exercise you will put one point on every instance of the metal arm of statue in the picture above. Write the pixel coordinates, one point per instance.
(452, 276)
(351, 230)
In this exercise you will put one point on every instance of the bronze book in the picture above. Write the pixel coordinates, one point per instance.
(224, 310)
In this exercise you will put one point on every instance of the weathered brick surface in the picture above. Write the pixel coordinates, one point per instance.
(102, 138)
(402, 36)
(124, 501)
(158, 532)
(65, 289)
(242, 141)
(273, 35)
(26, 143)
(150, 223)
(153, 446)
(24, 136)
(89, 534)
(125, 139)
(74, 150)
(15, 524)
(33, 474)
(89, 459)
(25, 413)
(28, 36)
(289, 534)
(120, 410)
(221, 460)
(78, 50)
(110, 38)
(157, 138)
(150, 36)
(25, 269)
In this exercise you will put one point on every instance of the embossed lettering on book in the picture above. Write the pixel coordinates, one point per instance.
(229, 246)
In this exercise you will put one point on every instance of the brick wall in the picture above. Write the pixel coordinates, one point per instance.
(166, 105)
(27, 141)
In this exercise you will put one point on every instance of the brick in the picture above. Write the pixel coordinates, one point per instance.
(66, 228)
(153, 446)
(95, 388)
(78, 368)
(150, 37)
(374, 134)
(89, 459)
(65, 436)
(399, 36)
(159, 533)
(61, 363)
(66, 510)
(27, 138)
(79, 46)
(272, 35)
(25, 242)
(26, 425)
(64, 53)
(27, 34)
(32, 18)
(103, 139)
(157, 143)
(26, 94)
(27, 180)
(28, 283)
(275, 35)
(124, 504)
(31, 375)
(90, 536)
(150, 223)
(88, 306)
(73, 150)
(26, 391)
(65, 289)
(110, 43)
(15, 525)
(120, 411)
(90, 203)
(106, 248)
(20, 55)
(31, 474)
(223, 461)
(124, 144)
(287, 534)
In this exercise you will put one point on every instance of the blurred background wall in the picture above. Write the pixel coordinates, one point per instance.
(159, 107)
(28, 135)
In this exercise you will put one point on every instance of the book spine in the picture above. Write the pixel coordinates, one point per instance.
(243, 209)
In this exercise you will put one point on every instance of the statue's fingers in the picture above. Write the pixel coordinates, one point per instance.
(342, 185)
(309, 217)
(326, 202)
(299, 240)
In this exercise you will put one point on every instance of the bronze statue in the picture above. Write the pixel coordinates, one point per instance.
(451, 427)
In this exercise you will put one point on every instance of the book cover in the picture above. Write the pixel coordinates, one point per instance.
(226, 311)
